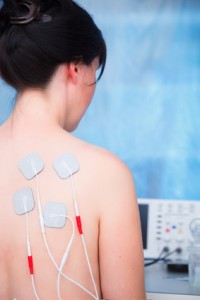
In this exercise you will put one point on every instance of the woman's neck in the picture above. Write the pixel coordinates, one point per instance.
(37, 110)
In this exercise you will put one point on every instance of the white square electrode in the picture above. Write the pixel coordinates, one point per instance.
(55, 214)
(66, 165)
(31, 165)
(23, 201)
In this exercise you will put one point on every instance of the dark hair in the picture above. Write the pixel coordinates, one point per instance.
(62, 32)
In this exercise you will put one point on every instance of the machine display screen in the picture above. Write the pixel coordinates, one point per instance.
(143, 209)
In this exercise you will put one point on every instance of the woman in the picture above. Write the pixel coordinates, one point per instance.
(50, 52)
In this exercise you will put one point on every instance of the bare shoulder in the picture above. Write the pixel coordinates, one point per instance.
(103, 162)
(106, 174)
(110, 168)
(109, 178)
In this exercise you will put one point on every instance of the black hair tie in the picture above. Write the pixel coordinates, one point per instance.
(33, 13)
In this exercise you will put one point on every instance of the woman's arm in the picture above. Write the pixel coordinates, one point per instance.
(120, 244)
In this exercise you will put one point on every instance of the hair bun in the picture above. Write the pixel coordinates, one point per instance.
(21, 13)
(33, 11)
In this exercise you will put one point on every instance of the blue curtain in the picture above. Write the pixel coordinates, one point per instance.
(146, 107)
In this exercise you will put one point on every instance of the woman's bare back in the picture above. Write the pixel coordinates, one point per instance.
(15, 281)
(108, 208)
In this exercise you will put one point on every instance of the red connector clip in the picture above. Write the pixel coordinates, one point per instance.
(79, 225)
(30, 264)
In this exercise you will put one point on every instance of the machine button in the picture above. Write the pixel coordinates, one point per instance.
(179, 239)
(167, 238)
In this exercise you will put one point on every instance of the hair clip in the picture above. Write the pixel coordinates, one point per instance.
(44, 18)
(33, 12)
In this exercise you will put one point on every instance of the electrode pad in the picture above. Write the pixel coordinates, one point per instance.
(65, 165)
(31, 165)
(55, 214)
(23, 201)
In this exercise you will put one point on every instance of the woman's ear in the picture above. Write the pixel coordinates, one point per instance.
(73, 72)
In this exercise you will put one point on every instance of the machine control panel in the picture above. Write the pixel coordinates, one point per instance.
(165, 223)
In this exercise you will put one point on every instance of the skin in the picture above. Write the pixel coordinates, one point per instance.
(41, 123)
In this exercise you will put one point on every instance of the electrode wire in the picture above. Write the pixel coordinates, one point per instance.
(65, 276)
(178, 250)
(156, 259)
(82, 237)
(65, 255)
(47, 246)
(34, 288)
(89, 265)
(29, 250)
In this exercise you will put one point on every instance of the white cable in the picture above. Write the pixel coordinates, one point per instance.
(89, 266)
(47, 246)
(34, 289)
(65, 256)
(65, 276)
(82, 237)
(39, 206)
(58, 286)
(29, 251)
